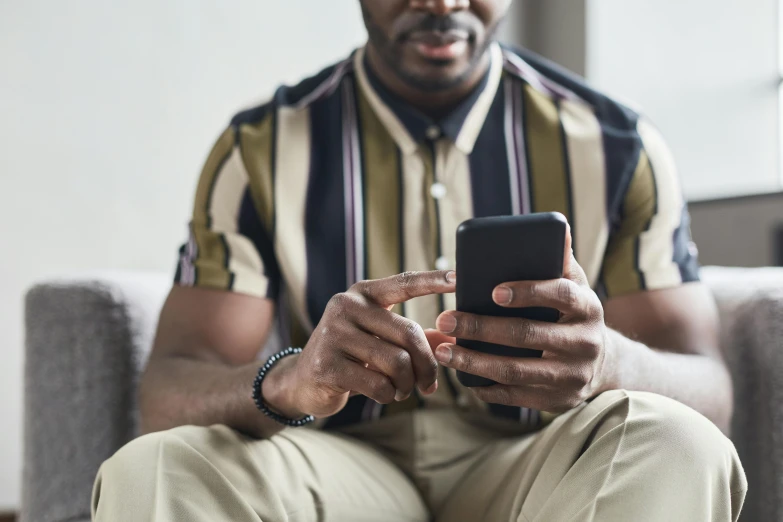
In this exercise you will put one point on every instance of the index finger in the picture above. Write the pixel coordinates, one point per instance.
(408, 285)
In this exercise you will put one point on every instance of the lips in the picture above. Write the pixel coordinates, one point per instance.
(439, 39)
(438, 45)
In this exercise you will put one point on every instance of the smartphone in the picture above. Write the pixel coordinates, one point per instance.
(496, 250)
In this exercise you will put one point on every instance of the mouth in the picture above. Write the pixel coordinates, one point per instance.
(441, 46)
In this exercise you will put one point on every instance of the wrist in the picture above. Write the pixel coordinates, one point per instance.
(279, 386)
(610, 374)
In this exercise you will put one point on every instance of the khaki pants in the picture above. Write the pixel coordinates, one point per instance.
(629, 457)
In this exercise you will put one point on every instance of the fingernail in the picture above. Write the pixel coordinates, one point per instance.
(502, 295)
(432, 389)
(446, 323)
(443, 354)
(451, 277)
(400, 396)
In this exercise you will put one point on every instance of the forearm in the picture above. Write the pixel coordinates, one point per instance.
(699, 381)
(177, 391)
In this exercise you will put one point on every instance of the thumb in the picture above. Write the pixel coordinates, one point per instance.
(568, 251)
(571, 269)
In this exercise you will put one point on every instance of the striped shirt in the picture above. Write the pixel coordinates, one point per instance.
(336, 180)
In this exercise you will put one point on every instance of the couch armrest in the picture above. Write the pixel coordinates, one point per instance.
(751, 307)
(86, 341)
(754, 353)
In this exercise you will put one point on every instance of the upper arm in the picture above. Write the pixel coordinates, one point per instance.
(227, 278)
(682, 319)
(212, 325)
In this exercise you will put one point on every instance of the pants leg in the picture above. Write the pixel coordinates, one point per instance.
(211, 474)
(624, 456)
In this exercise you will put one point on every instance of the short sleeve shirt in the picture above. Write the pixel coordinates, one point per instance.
(336, 180)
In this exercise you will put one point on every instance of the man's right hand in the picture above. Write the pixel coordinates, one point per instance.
(361, 347)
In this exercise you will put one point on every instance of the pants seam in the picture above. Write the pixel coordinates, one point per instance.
(611, 464)
(156, 499)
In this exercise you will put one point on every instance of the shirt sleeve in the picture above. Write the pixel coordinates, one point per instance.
(229, 246)
(651, 247)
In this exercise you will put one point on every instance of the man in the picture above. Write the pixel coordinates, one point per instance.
(308, 208)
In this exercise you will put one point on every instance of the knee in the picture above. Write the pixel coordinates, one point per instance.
(680, 438)
(671, 426)
(136, 466)
(142, 456)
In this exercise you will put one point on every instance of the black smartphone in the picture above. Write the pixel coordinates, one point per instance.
(496, 250)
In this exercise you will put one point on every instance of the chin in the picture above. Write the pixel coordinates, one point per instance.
(436, 76)
(437, 83)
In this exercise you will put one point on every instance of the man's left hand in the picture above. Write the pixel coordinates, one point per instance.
(576, 360)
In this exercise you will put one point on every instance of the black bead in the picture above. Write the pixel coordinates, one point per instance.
(259, 400)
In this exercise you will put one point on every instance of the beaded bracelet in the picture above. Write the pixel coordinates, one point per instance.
(259, 400)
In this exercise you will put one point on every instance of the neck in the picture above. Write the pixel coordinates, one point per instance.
(432, 103)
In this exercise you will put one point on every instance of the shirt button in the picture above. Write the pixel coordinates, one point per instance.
(438, 190)
(442, 263)
(433, 132)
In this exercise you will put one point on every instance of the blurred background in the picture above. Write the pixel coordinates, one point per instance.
(107, 111)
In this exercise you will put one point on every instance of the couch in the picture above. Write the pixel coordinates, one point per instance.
(87, 339)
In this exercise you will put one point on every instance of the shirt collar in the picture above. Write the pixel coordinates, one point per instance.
(409, 127)
(419, 125)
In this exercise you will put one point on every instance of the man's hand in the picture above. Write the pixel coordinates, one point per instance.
(361, 346)
(576, 350)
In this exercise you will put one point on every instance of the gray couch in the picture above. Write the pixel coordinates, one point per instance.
(88, 338)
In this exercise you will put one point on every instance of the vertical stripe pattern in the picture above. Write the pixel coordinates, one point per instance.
(218, 255)
(493, 169)
(293, 166)
(328, 193)
(382, 205)
(326, 185)
(548, 169)
(584, 141)
(517, 144)
(656, 247)
(354, 210)
(512, 151)
(418, 247)
(256, 143)
(456, 174)
(621, 274)
(210, 256)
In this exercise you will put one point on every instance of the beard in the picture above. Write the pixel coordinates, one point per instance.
(391, 53)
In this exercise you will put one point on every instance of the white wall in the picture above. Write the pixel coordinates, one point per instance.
(706, 72)
(107, 110)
